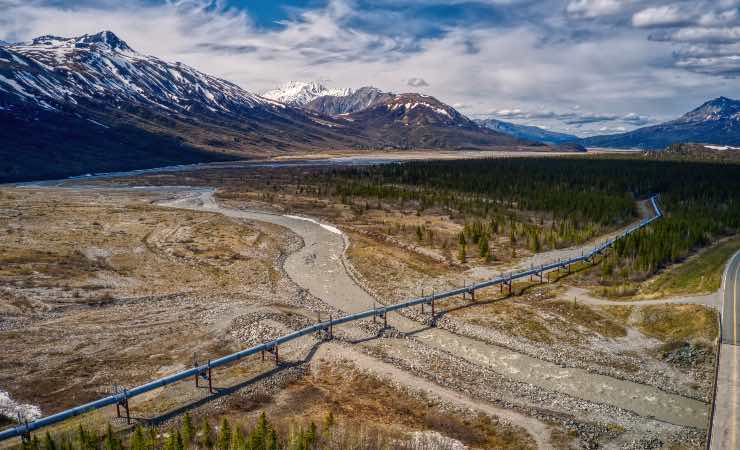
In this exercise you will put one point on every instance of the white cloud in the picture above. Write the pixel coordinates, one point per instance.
(541, 71)
(596, 8)
(660, 16)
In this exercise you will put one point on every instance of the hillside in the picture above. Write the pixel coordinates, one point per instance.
(91, 103)
(715, 122)
(527, 132)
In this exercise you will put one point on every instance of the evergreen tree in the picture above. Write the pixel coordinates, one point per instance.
(238, 442)
(310, 436)
(483, 250)
(111, 442)
(224, 435)
(461, 254)
(187, 430)
(328, 422)
(49, 443)
(138, 441)
(206, 435)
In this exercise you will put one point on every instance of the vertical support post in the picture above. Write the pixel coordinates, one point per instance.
(125, 406)
(263, 355)
(472, 295)
(26, 435)
(197, 375)
(277, 359)
(210, 378)
(331, 328)
(385, 320)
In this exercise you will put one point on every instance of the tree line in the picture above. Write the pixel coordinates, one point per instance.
(577, 195)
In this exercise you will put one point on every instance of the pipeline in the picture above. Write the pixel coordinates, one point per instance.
(25, 429)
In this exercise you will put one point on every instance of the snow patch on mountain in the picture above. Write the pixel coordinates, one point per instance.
(52, 69)
(300, 93)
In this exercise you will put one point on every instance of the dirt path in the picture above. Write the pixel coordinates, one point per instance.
(712, 300)
(318, 267)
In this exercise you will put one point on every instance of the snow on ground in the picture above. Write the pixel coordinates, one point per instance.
(331, 228)
(12, 409)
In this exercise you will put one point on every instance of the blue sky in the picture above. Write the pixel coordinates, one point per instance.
(580, 66)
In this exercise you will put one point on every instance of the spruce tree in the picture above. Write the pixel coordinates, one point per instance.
(224, 435)
(49, 443)
(187, 430)
(206, 437)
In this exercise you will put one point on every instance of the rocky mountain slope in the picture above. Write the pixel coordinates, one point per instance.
(715, 122)
(527, 132)
(299, 93)
(416, 120)
(91, 103)
(354, 101)
(400, 121)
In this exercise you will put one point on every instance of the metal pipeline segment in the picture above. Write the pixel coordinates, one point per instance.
(196, 371)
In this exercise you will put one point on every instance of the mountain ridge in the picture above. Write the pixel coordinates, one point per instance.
(91, 103)
(716, 121)
(528, 132)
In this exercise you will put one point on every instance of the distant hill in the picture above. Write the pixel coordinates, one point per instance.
(696, 152)
(715, 122)
(527, 132)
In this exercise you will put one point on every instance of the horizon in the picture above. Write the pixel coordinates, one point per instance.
(559, 65)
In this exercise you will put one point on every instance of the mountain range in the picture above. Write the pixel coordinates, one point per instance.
(528, 132)
(715, 122)
(92, 103)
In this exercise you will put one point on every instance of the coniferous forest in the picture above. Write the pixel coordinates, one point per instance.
(701, 200)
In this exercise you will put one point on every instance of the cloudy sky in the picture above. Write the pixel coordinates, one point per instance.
(581, 66)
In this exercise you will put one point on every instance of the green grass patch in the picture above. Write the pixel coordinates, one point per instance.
(701, 273)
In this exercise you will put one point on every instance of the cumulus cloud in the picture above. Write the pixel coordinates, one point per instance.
(661, 16)
(417, 82)
(545, 57)
(596, 8)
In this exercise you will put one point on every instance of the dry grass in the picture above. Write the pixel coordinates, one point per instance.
(678, 322)
(361, 399)
(103, 288)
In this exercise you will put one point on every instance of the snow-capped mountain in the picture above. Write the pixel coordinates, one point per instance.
(92, 103)
(299, 93)
(415, 120)
(527, 132)
(715, 122)
(71, 105)
(356, 100)
(50, 70)
(394, 120)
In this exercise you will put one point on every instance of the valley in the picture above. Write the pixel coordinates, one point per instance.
(348, 225)
(219, 270)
